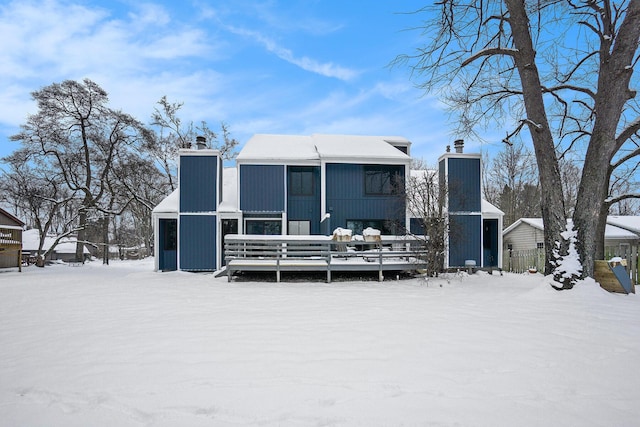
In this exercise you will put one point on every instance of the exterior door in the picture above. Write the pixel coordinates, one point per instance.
(168, 250)
(490, 242)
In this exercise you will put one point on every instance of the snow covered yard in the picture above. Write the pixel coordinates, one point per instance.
(120, 345)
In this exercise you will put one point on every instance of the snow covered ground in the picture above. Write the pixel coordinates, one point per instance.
(120, 345)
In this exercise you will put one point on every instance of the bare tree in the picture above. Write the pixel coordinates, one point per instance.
(40, 194)
(498, 62)
(173, 134)
(76, 131)
(425, 201)
(512, 178)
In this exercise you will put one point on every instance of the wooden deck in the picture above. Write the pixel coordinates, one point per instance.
(321, 253)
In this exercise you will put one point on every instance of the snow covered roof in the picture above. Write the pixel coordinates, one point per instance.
(278, 147)
(31, 241)
(488, 208)
(318, 147)
(169, 204)
(631, 223)
(611, 231)
(534, 222)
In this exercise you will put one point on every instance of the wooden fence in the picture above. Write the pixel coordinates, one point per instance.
(522, 261)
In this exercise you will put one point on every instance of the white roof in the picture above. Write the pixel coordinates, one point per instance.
(488, 208)
(31, 241)
(169, 204)
(610, 232)
(278, 147)
(631, 223)
(322, 146)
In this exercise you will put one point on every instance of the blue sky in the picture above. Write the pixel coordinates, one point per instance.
(291, 67)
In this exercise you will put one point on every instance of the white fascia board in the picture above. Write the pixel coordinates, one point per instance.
(203, 152)
(285, 162)
(463, 213)
(208, 213)
(460, 156)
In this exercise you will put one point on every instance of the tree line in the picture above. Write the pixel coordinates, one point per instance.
(88, 170)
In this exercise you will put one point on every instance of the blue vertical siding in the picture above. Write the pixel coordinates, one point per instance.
(306, 207)
(262, 188)
(465, 239)
(198, 242)
(346, 198)
(464, 185)
(198, 183)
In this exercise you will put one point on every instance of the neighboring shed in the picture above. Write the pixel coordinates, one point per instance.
(65, 250)
(10, 240)
(528, 233)
(524, 242)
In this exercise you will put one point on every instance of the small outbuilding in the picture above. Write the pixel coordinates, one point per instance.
(65, 250)
(10, 240)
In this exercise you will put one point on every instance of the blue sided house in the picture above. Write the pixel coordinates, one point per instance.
(310, 185)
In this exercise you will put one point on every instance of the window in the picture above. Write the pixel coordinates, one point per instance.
(263, 227)
(381, 180)
(301, 181)
(170, 234)
(540, 245)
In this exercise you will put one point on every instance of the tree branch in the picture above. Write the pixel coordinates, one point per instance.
(490, 52)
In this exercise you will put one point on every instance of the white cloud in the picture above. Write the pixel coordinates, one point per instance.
(51, 41)
(149, 14)
(326, 69)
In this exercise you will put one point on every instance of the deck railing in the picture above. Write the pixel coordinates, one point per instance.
(321, 253)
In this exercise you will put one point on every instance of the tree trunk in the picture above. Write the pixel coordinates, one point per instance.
(82, 219)
(602, 225)
(105, 234)
(612, 95)
(552, 201)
